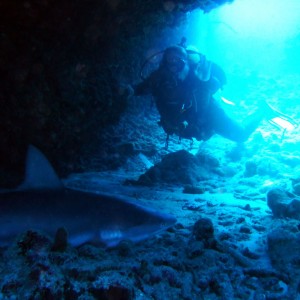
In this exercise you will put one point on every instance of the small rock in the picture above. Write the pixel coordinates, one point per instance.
(203, 229)
(247, 207)
(240, 220)
(225, 236)
(245, 229)
(125, 248)
(259, 228)
(246, 252)
(191, 189)
(61, 240)
(33, 241)
(284, 248)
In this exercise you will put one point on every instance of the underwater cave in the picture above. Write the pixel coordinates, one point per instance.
(150, 149)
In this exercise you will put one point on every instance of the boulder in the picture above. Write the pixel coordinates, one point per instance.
(283, 204)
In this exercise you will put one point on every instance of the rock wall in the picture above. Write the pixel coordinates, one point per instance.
(61, 62)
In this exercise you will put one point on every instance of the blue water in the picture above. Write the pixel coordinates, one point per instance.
(257, 43)
(251, 39)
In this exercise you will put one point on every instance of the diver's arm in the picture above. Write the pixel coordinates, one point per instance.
(129, 90)
(210, 74)
(203, 69)
(146, 86)
(142, 88)
(217, 79)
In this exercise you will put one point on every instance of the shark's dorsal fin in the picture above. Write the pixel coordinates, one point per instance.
(39, 173)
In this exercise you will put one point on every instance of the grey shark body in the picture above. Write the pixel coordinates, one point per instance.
(43, 203)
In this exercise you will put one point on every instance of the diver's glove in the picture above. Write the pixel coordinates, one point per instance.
(203, 69)
(214, 84)
(125, 90)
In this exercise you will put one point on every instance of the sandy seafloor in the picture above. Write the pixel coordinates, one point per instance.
(250, 255)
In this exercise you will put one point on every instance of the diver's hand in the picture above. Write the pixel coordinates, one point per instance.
(203, 69)
(214, 84)
(125, 90)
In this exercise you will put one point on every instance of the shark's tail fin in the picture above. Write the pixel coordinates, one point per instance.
(39, 173)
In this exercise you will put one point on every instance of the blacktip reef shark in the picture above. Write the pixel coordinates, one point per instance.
(43, 203)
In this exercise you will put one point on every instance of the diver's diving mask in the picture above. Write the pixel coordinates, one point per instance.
(175, 63)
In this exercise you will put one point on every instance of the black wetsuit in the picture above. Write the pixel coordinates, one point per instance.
(188, 109)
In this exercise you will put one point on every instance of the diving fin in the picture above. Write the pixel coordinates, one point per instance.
(273, 116)
(280, 120)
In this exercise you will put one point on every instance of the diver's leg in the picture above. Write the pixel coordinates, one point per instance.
(230, 129)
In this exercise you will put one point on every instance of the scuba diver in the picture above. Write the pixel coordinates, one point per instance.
(183, 87)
